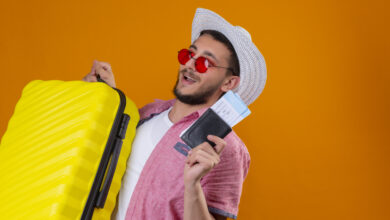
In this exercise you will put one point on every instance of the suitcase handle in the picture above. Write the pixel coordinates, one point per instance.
(100, 79)
(110, 157)
(110, 174)
(101, 200)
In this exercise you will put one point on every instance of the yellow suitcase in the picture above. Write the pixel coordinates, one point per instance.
(62, 156)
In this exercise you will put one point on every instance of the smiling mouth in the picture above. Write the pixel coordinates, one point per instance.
(189, 79)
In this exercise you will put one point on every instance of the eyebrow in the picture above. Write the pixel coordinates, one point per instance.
(207, 53)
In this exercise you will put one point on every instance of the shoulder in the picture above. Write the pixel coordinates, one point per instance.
(155, 107)
(234, 144)
(222, 186)
(235, 152)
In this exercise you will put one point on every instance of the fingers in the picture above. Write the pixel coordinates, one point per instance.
(205, 159)
(93, 68)
(102, 66)
(104, 71)
(90, 78)
(207, 148)
(219, 143)
(205, 155)
(105, 66)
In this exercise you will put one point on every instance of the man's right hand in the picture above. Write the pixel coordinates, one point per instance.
(102, 69)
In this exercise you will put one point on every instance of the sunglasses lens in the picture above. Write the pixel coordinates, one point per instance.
(184, 56)
(201, 64)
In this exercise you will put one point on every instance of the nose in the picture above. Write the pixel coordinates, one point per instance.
(191, 63)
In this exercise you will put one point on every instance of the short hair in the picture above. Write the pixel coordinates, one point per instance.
(218, 36)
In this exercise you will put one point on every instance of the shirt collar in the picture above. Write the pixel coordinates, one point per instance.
(162, 105)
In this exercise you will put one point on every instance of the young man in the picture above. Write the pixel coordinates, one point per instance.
(166, 179)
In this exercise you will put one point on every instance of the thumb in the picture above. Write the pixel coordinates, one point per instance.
(219, 143)
(93, 68)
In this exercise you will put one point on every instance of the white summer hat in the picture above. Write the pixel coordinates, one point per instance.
(253, 72)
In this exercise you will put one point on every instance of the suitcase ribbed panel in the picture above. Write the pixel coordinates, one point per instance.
(52, 148)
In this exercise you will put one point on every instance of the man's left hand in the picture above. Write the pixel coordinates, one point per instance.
(202, 159)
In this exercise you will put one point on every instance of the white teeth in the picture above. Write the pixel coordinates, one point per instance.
(189, 78)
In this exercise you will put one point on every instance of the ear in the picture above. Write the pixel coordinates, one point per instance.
(231, 82)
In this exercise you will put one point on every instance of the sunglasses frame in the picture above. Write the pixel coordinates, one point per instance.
(198, 61)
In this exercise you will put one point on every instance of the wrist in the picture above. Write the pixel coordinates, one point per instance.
(191, 180)
(192, 186)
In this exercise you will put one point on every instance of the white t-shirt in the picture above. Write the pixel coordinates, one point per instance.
(146, 139)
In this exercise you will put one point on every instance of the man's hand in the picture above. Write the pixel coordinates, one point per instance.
(202, 159)
(102, 69)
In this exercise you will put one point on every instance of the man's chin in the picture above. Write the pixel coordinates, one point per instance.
(186, 88)
(190, 99)
(183, 91)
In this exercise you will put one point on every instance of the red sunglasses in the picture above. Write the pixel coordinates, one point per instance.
(202, 64)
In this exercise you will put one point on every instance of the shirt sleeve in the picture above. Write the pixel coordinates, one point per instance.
(222, 187)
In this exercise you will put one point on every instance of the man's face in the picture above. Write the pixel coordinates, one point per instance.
(196, 88)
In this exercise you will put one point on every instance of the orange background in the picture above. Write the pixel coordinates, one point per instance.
(318, 135)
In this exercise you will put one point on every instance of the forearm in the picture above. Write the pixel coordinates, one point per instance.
(200, 161)
(195, 206)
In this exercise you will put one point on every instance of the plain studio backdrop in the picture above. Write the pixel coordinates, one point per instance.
(318, 135)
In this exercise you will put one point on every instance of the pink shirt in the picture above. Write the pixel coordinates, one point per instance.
(159, 193)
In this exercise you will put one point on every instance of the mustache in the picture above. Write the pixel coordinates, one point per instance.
(190, 73)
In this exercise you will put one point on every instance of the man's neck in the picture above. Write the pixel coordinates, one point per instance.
(181, 110)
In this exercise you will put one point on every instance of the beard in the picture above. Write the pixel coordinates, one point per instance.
(198, 98)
